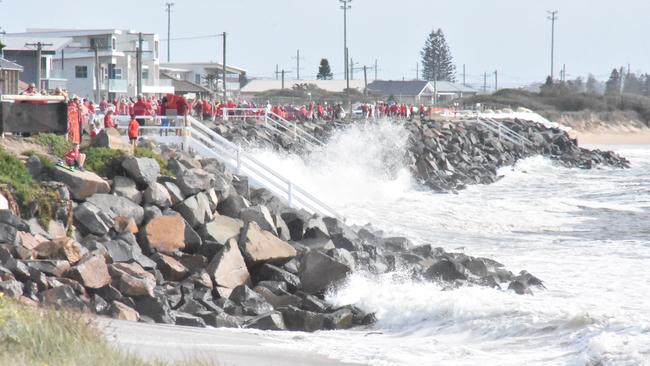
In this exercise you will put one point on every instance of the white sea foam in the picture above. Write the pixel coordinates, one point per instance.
(567, 226)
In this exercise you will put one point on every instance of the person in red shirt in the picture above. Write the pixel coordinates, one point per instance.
(74, 158)
(108, 119)
(141, 108)
(133, 132)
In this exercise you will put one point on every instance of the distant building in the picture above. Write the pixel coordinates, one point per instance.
(20, 50)
(117, 68)
(419, 91)
(9, 77)
(208, 75)
(257, 86)
(188, 88)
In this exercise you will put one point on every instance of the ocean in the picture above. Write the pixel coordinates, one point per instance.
(585, 233)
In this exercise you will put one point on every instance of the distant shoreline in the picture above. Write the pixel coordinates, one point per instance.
(612, 137)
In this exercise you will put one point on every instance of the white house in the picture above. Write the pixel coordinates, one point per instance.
(117, 66)
(206, 74)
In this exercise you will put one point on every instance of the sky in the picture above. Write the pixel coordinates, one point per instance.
(510, 36)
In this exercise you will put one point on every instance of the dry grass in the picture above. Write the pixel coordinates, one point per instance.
(40, 337)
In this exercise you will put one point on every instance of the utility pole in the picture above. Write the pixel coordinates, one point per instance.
(282, 78)
(484, 82)
(297, 64)
(496, 80)
(277, 71)
(98, 91)
(417, 71)
(552, 17)
(139, 63)
(563, 72)
(39, 56)
(224, 67)
(365, 81)
(376, 69)
(169, 26)
(346, 6)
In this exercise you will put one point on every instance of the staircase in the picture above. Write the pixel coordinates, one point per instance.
(504, 132)
(205, 142)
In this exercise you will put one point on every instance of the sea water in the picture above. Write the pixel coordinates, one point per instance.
(585, 233)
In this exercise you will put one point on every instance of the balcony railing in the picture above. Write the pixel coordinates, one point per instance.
(116, 85)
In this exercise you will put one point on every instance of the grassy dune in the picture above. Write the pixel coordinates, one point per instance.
(41, 337)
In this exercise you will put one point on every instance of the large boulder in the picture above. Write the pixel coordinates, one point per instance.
(62, 297)
(164, 234)
(446, 270)
(92, 220)
(193, 181)
(126, 187)
(318, 271)
(227, 268)
(92, 272)
(251, 302)
(195, 209)
(175, 193)
(270, 272)
(302, 320)
(156, 307)
(144, 171)
(171, 269)
(7, 234)
(111, 138)
(118, 206)
(269, 321)
(232, 205)
(61, 248)
(156, 194)
(121, 311)
(81, 184)
(221, 229)
(261, 215)
(132, 280)
(259, 246)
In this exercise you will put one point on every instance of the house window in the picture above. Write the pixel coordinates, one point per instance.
(145, 74)
(197, 79)
(113, 41)
(156, 47)
(81, 72)
(113, 72)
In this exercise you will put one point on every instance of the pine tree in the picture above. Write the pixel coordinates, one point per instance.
(613, 85)
(592, 85)
(324, 71)
(632, 84)
(437, 62)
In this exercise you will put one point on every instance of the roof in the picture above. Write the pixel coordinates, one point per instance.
(8, 65)
(16, 42)
(259, 85)
(399, 87)
(68, 32)
(446, 86)
(184, 86)
(188, 66)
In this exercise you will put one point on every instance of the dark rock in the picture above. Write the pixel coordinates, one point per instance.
(318, 271)
(155, 307)
(126, 187)
(188, 320)
(445, 270)
(117, 206)
(269, 321)
(144, 171)
(232, 206)
(171, 269)
(62, 297)
(12, 288)
(273, 273)
(193, 181)
(157, 195)
(252, 302)
(302, 320)
(99, 305)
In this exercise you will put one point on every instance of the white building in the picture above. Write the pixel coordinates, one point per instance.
(117, 67)
(207, 74)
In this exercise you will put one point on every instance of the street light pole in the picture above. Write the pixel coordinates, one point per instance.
(169, 25)
(224, 67)
(345, 8)
(552, 17)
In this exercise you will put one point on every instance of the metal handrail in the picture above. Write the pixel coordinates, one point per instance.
(293, 125)
(507, 129)
(242, 158)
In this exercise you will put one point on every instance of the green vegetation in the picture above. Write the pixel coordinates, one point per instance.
(551, 101)
(57, 144)
(104, 161)
(107, 162)
(31, 336)
(31, 196)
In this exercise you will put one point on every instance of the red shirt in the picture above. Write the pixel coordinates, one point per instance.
(181, 107)
(108, 121)
(71, 156)
(134, 128)
(140, 108)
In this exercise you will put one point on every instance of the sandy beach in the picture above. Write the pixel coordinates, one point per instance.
(224, 347)
(613, 136)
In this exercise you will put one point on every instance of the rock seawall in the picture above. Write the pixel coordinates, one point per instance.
(203, 248)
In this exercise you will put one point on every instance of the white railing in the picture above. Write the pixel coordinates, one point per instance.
(275, 122)
(503, 132)
(198, 137)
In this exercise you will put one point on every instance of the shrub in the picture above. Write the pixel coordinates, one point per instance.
(57, 144)
(104, 161)
(32, 198)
